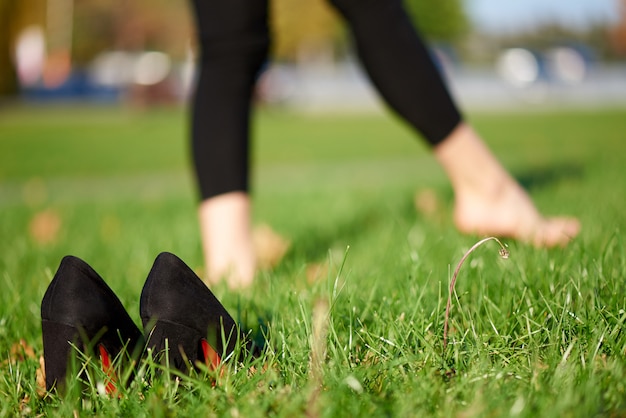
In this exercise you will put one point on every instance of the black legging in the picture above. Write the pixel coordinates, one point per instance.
(234, 41)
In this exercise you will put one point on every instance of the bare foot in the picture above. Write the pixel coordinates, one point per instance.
(227, 239)
(489, 201)
(512, 214)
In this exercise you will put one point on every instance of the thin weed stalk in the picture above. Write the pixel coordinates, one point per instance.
(503, 252)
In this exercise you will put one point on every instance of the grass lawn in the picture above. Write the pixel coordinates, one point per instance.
(540, 334)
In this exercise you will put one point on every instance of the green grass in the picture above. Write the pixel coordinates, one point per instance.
(539, 334)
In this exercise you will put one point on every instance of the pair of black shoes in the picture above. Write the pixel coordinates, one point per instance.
(184, 323)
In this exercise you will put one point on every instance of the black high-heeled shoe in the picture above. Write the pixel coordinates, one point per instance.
(79, 308)
(178, 307)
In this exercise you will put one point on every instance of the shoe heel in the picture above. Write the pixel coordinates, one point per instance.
(211, 358)
(110, 383)
(58, 342)
(185, 346)
(57, 347)
(80, 309)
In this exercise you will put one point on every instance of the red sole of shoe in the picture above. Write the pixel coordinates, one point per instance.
(107, 368)
(211, 358)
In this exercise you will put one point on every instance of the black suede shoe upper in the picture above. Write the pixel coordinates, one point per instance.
(77, 296)
(79, 308)
(174, 293)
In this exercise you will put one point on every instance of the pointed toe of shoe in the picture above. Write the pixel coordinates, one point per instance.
(177, 306)
(79, 308)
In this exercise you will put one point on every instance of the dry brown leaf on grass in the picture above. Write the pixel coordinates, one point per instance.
(316, 272)
(20, 351)
(24, 408)
(41, 377)
(270, 247)
(44, 227)
(327, 269)
(319, 333)
(427, 203)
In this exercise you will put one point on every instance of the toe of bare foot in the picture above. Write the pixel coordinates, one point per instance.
(535, 230)
(553, 232)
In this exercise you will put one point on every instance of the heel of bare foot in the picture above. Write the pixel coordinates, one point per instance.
(238, 269)
(232, 249)
(227, 240)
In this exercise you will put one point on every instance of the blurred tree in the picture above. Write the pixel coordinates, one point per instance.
(618, 35)
(101, 25)
(312, 27)
(8, 79)
(441, 20)
(14, 17)
(301, 28)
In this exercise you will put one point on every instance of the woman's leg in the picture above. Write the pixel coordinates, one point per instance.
(400, 66)
(488, 200)
(234, 41)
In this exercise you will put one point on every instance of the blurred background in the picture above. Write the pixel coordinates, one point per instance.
(495, 54)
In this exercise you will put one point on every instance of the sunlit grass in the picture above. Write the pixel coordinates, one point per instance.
(539, 334)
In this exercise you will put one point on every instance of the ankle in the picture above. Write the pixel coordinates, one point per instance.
(227, 239)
